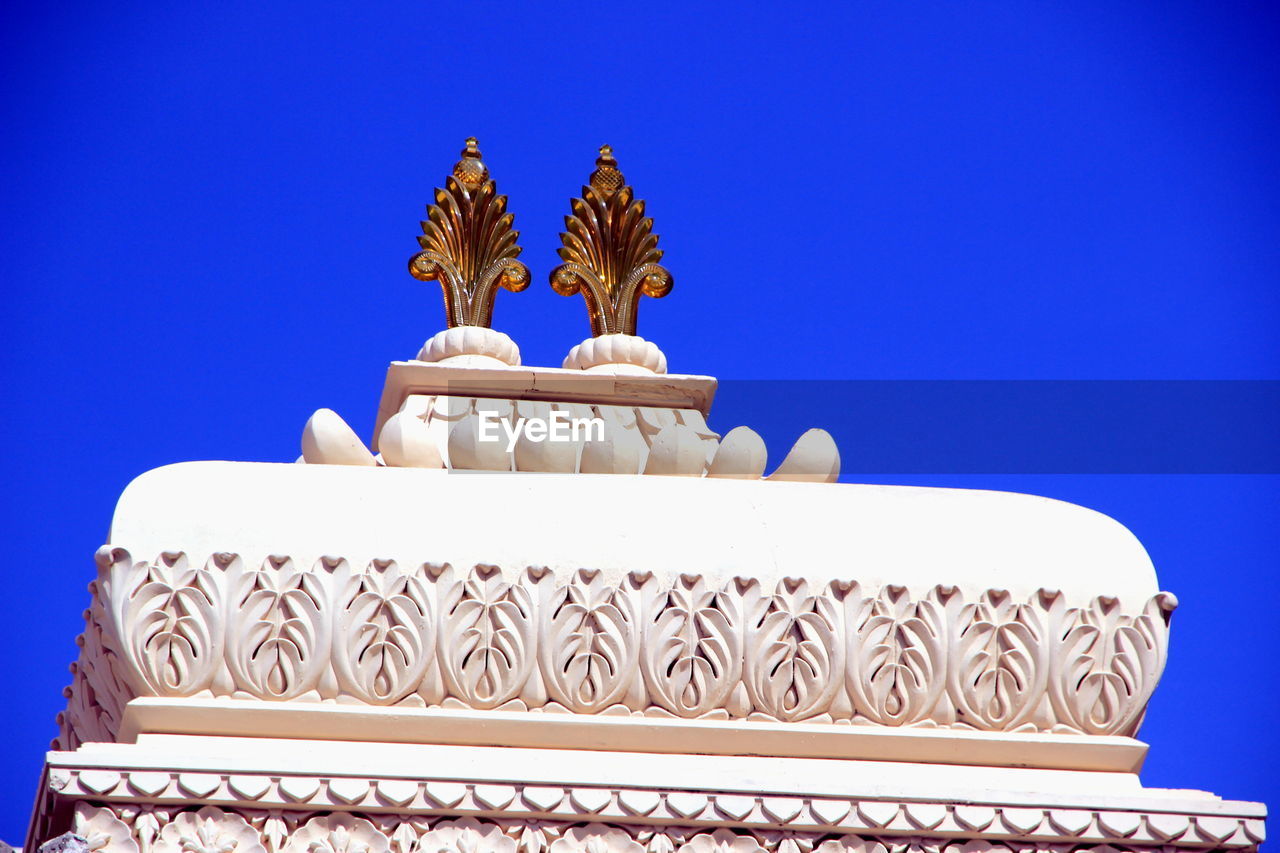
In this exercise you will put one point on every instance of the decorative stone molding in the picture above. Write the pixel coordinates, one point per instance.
(433, 635)
(471, 345)
(617, 353)
(208, 830)
(430, 416)
(634, 439)
(712, 827)
(338, 833)
(104, 831)
(328, 440)
(432, 431)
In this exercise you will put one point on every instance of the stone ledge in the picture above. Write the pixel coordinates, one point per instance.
(551, 384)
(550, 730)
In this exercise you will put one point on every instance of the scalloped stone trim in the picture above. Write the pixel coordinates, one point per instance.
(471, 346)
(388, 804)
(616, 354)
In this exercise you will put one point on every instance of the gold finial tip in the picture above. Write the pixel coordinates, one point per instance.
(471, 171)
(606, 178)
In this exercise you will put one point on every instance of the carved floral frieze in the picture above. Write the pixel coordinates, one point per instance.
(117, 828)
(433, 635)
(207, 830)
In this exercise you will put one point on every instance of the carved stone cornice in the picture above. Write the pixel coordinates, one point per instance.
(562, 820)
(686, 648)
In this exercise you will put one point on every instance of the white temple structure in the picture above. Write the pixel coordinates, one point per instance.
(632, 641)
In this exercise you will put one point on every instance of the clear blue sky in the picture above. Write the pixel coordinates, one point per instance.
(207, 209)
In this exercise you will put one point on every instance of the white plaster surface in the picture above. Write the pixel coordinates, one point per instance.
(914, 537)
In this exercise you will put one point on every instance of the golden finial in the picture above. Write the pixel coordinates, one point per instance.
(606, 178)
(468, 244)
(471, 170)
(610, 252)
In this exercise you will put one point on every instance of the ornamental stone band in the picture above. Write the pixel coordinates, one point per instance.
(432, 636)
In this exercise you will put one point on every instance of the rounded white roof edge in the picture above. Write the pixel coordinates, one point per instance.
(904, 535)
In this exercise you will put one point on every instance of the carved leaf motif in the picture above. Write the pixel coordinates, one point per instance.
(596, 838)
(104, 832)
(721, 841)
(661, 842)
(590, 649)
(897, 658)
(473, 228)
(851, 844)
(531, 837)
(1107, 664)
(609, 252)
(275, 831)
(609, 234)
(99, 688)
(171, 619)
(467, 835)
(384, 640)
(403, 835)
(210, 830)
(999, 665)
(146, 829)
(158, 629)
(793, 655)
(487, 637)
(338, 833)
(692, 647)
(468, 244)
(280, 641)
